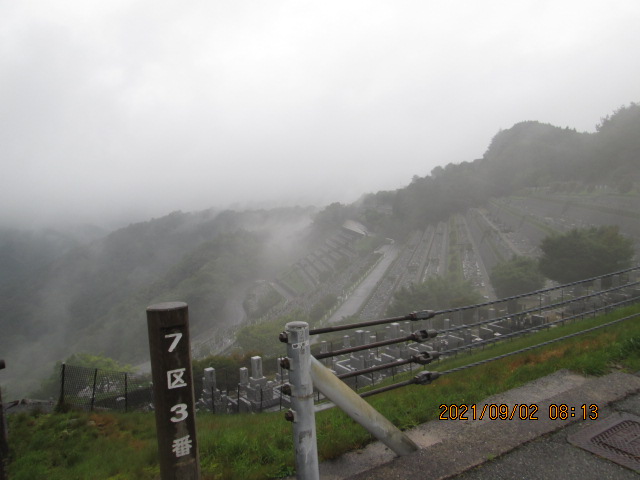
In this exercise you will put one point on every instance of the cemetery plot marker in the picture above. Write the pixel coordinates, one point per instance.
(170, 351)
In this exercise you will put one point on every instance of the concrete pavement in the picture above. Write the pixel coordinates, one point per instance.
(359, 296)
(512, 449)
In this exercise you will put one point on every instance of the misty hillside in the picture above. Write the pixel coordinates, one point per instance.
(23, 252)
(63, 297)
(529, 154)
(62, 293)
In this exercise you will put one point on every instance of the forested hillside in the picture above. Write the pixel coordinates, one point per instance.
(529, 154)
(92, 297)
(62, 293)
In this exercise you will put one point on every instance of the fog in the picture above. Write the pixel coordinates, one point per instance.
(123, 110)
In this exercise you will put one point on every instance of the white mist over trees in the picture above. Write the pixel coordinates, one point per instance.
(87, 290)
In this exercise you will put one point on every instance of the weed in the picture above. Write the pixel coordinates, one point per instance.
(283, 471)
(76, 445)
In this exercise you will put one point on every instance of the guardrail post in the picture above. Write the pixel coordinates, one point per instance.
(170, 351)
(302, 413)
(359, 410)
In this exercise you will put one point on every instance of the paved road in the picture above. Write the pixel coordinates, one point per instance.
(510, 449)
(486, 279)
(357, 298)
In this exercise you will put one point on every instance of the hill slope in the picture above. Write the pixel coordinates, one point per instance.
(59, 295)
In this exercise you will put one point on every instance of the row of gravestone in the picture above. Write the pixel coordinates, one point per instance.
(256, 393)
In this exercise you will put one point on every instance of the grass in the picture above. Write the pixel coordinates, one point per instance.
(294, 282)
(525, 217)
(123, 446)
(68, 446)
(600, 208)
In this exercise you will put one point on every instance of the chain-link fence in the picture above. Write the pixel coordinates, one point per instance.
(92, 388)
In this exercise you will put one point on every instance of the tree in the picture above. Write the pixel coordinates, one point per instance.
(259, 338)
(333, 215)
(516, 276)
(585, 253)
(50, 387)
(100, 362)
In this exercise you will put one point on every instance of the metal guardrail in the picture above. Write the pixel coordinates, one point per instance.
(306, 371)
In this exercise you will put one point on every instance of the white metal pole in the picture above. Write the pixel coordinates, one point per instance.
(302, 413)
(358, 409)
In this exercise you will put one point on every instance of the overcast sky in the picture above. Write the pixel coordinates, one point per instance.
(121, 110)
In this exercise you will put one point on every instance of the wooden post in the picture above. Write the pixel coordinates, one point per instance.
(170, 352)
